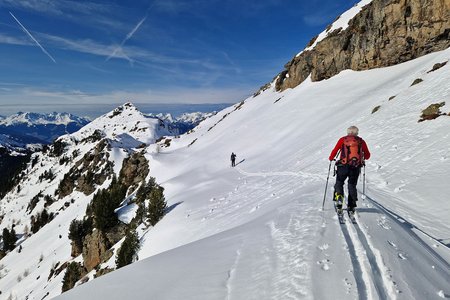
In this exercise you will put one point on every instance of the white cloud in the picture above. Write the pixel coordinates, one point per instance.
(5, 39)
(60, 7)
(24, 96)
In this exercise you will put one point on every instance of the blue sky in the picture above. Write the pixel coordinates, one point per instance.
(163, 51)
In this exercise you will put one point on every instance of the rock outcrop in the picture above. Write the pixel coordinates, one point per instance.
(96, 246)
(383, 33)
(93, 169)
(134, 170)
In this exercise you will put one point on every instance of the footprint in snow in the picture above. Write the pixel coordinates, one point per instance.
(392, 244)
(348, 284)
(324, 247)
(399, 188)
(212, 199)
(324, 264)
(254, 209)
(402, 256)
(406, 158)
(383, 223)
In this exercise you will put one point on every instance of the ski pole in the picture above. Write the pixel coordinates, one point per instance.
(326, 186)
(364, 182)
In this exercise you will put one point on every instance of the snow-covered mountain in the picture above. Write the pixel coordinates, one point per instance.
(56, 187)
(184, 122)
(31, 119)
(41, 127)
(256, 231)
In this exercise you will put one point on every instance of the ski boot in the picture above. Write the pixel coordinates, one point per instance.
(338, 201)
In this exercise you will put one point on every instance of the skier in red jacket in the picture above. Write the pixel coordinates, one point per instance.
(353, 153)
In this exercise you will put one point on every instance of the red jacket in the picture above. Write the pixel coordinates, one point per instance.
(339, 146)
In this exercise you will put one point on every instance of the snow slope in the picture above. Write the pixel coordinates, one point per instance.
(257, 231)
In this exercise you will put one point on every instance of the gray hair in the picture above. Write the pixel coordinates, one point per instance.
(352, 130)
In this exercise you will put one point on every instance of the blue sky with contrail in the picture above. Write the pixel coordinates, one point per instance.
(32, 37)
(171, 51)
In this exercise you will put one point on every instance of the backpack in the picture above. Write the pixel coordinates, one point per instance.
(351, 151)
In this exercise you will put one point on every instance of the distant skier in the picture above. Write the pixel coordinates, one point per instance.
(233, 159)
(353, 151)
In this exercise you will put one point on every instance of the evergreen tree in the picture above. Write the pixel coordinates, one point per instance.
(128, 250)
(9, 239)
(6, 239)
(105, 202)
(157, 205)
(72, 275)
(12, 239)
(78, 229)
(145, 189)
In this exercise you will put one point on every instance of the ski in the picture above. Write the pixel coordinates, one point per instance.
(351, 216)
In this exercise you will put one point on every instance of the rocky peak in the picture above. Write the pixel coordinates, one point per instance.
(383, 33)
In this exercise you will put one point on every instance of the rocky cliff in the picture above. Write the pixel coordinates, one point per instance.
(383, 33)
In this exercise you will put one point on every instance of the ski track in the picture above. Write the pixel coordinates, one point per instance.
(231, 274)
(378, 279)
(356, 264)
(372, 276)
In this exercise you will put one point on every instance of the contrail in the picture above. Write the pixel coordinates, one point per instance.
(132, 32)
(129, 36)
(32, 37)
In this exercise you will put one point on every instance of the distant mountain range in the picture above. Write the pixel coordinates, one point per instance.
(27, 127)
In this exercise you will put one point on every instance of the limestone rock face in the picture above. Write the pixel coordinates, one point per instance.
(76, 249)
(94, 248)
(384, 33)
(134, 169)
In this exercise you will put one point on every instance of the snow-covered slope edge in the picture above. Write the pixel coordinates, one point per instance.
(257, 231)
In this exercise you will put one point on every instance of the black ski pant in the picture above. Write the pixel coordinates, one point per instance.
(352, 173)
(233, 162)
